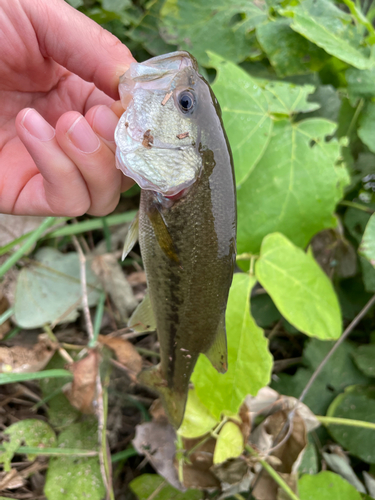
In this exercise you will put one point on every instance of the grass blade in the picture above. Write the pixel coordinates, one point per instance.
(34, 236)
(8, 378)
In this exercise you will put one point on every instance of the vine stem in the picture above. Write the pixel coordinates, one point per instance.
(271, 471)
(358, 206)
(345, 421)
(346, 333)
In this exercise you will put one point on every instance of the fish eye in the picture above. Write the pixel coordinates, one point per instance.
(186, 101)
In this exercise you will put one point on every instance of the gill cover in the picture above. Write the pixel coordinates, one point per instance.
(157, 135)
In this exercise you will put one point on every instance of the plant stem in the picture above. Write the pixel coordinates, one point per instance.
(34, 236)
(271, 471)
(358, 206)
(359, 16)
(147, 352)
(53, 452)
(346, 333)
(355, 116)
(6, 315)
(345, 421)
(98, 319)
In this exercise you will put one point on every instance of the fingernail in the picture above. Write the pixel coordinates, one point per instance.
(37, 126)
(105, 122)
(82, 136)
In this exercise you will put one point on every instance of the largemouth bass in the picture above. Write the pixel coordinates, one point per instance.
(172, 142)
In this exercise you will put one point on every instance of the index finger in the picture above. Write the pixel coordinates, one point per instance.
(79, 44)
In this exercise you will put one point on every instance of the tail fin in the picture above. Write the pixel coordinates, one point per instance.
(174, 401)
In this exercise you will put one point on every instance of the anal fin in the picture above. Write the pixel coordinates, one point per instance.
(143, 319)
(131, 237)
(217, 353)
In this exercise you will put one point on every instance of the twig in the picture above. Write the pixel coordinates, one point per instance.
(85, 300)
(63, 353)
(271, 471)
(346, 333)
(103, 450)
(158, 489)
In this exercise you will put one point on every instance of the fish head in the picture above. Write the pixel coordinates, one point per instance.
(158, 135)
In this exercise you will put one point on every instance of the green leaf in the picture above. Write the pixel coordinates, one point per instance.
(152, 485)
(198, 26)
(245, 115)
(301, 291)
(197, 419)
(294, 186)
(367, 247)
(329, 102)
(116, 5)
(356, 221)
(361, 83)
(326, 486)
(229, 444)
(71, 477)
(249, 361)
(366, 129)
(288, 52)
(329, 27)
(50, 289)
(287, 98)
(147, 32)
(60, 412)
(356, 403)
(32, 432)
(309, 462)
(364, 357)
(368, 274)
(339, 372)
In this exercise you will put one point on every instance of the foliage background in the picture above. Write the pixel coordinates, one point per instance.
(296, 84)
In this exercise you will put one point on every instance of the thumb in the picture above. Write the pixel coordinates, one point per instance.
(79, 44)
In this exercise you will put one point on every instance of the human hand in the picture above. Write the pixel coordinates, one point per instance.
(57, 65)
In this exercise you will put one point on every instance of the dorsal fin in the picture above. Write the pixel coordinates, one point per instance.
(143, 319)
(131, 237)
(217, 353)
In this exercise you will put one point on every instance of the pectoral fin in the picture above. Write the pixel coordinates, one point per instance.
(217, 353)
(143, 319)
(162, 234)
(131, 237)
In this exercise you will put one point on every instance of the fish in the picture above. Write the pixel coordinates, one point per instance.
(171, 141)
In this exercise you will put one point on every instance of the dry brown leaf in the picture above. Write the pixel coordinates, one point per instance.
(137, 278)
(14, 226)
(234, 475)
(157, 412)
(82, 391)
(20, 359)
(113, 280)
(156, 440)
(287, 455)
(197, 474)
(125, 352)
(11, 480)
